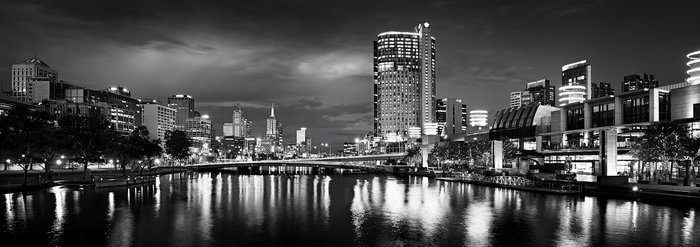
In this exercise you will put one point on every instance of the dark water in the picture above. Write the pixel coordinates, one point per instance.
(205, 209)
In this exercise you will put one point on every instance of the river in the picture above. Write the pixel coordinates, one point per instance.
(220, 209)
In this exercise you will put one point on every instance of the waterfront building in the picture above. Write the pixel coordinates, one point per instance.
(199, 130)
(694, 68)
(61, 108)
(575, 83)
(594, 137)
(602, 89)
(404, 80)
(158, 119)
(451, 116)
(125, 112)
(637, 82)
(184, 104)
(233, 146)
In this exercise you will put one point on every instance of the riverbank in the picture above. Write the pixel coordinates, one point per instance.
(656, 193)
(11, 181)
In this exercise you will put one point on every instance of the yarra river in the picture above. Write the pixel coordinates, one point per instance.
(220, 209)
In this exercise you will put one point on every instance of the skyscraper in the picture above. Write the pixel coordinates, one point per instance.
(273, 132)
(301, 136)
(541, 91)
(404, 80)
(451, 116)
(637, 82)
(184, 104)
(575, 83)
(239, 123)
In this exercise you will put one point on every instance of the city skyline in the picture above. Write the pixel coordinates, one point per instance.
(324, 81)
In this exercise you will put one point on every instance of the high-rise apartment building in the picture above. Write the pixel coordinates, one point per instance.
(518, 98)
(540, 91)
(404, 80)
(637, 82)
(575, 83)
(158, 119)
(602, 89)
(451, 117)
(184, 104)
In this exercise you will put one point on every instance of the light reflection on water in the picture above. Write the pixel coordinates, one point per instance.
(216, 209)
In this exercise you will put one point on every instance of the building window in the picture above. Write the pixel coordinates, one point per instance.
(603, 115)
(574, 119)
(636, 110)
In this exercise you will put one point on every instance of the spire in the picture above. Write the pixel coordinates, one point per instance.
(272, 110)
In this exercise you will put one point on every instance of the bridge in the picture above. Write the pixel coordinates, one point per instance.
(345, 162)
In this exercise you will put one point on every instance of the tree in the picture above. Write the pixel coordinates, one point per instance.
(23, 135)
(89, 134)
(662, 142)
(143, 149)
(177, 144)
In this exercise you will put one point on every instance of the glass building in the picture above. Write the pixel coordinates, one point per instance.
(404, 80)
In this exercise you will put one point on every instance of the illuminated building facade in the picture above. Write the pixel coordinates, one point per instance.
(694, 68)
(451, 117)
(404, 80)
(575, 83)
(184, 104)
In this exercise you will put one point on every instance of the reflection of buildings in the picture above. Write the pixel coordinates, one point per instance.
(451, 117)
(575, 83)
(404, 81)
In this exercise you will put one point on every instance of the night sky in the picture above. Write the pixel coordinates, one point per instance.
(313, 59)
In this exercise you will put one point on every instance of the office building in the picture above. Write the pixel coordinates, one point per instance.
(575, 83)
(158, 119)
(273, 133)
(33, 81)
(451, 117)
(637, 82)
(301, 136)
(602, 89)
(228, 129)
(240, 125)
(199, 130)
(125, 112)
(541, 92)
(404, 80)
(184, 104)
(694, 65)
